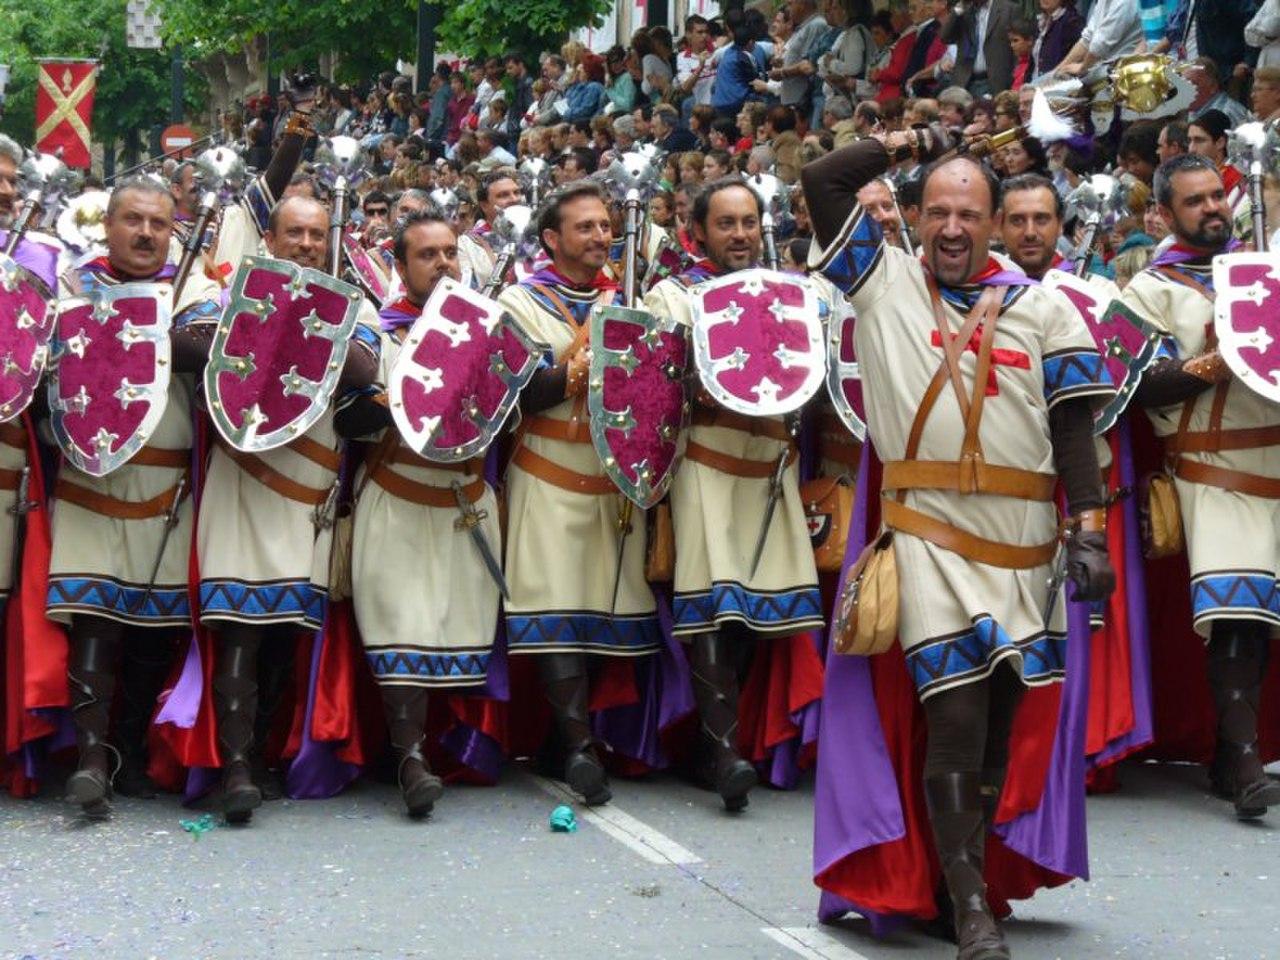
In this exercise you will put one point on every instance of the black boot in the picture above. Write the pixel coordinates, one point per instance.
(235, 690)
(1237, 664)
(92, 680)
(955, 813)
(406, 709)
(148, 655)
(565, 681)
(715, 687)
(275, 674)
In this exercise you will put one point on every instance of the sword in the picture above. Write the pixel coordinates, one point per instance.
(21, 507)
(1056, 580)
(170, 521)
(470, 521)
(775, 494)
(624, 528)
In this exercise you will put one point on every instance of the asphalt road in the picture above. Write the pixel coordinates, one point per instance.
(666, 876)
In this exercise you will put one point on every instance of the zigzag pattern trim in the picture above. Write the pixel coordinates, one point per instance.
(279, 601)
(438, 669)
(855, 252)
(1074, 373)
(972, 654)
(772, 611)
(1235, 593)
(118, 600)
(567, 631)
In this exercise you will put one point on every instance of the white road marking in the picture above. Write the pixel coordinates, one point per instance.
(811, 944)
(653, 845)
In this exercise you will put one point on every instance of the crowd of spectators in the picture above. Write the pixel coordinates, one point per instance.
(753, 93)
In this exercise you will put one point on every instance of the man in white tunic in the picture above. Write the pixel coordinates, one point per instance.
(109, 532)
(979, 388)
(718, 499)
(264, 537)
(564, 514)
(1222, 442)
(426, 606)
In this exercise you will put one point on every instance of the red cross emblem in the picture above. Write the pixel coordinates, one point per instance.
(1000, 357)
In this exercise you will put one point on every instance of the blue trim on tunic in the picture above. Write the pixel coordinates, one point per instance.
(971, 655)
(113, 598)
(568, 630)
(1235, 593)
(281, 601)
(861, 246)
(414, 666)
(695, 612)
(1071, 373)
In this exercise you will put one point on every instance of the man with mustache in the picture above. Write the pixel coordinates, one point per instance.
(108, 531)
(426, 606)
(717, 499)
(263, 543)
(497, 191)
(979, 390)
(1223, 441)
(563, 512)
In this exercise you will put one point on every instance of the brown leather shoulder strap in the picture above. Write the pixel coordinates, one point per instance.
(952, 346)
(1177, 276)
(944, 372)
(988, 306)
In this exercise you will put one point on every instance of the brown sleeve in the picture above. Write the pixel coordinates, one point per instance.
(544, 390)
(1074, 455)
(1166, 383)
(359, 371)
(283, 163)
(831, 184)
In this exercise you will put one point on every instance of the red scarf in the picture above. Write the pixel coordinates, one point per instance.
(601, 282)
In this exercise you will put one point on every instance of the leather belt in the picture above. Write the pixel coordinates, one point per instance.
(570, 431)
(839, 451)
(734, 466)
(969, 476)
(971, 547)
(1236, 481)
(160, 457)
(756, 426)
(10, 479)
(274, 480)
(562, 477)
(1213, 441)
(100, 503)
(406, 457)
(403, 488)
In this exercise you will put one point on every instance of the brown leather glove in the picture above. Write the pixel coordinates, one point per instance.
(1088, 566)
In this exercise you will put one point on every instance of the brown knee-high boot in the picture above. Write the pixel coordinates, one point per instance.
(1237, 664)
(91, 676)
(715, 687)
(406, 709)
(235, 689)
(565, 681)
(955, 813)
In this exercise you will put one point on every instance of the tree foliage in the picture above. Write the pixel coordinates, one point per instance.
(478, 28)
(133, 85)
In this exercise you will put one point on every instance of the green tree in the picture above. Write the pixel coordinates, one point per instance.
(133, 85)
(484, 28)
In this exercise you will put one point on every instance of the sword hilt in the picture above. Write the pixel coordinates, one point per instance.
(471, 516)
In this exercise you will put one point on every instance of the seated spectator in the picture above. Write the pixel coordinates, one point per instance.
(667, 132)
(662, 209)
(1203, 72)
(690, 166)
(585, 97)
(619, 87)
(724, 134)
(953, 103)
(780, 133)
(716, 165)
(1265, 95)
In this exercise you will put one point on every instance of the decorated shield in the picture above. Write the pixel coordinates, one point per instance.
(1128, 343)
(365, 270)
(637, 399)
(278, 352)
(26, 323)
(458, 374)
(109, 380)
(844, 381)
(1246, 318)
(758, 341)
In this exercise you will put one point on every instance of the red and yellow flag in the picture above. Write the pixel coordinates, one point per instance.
(64, 108)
